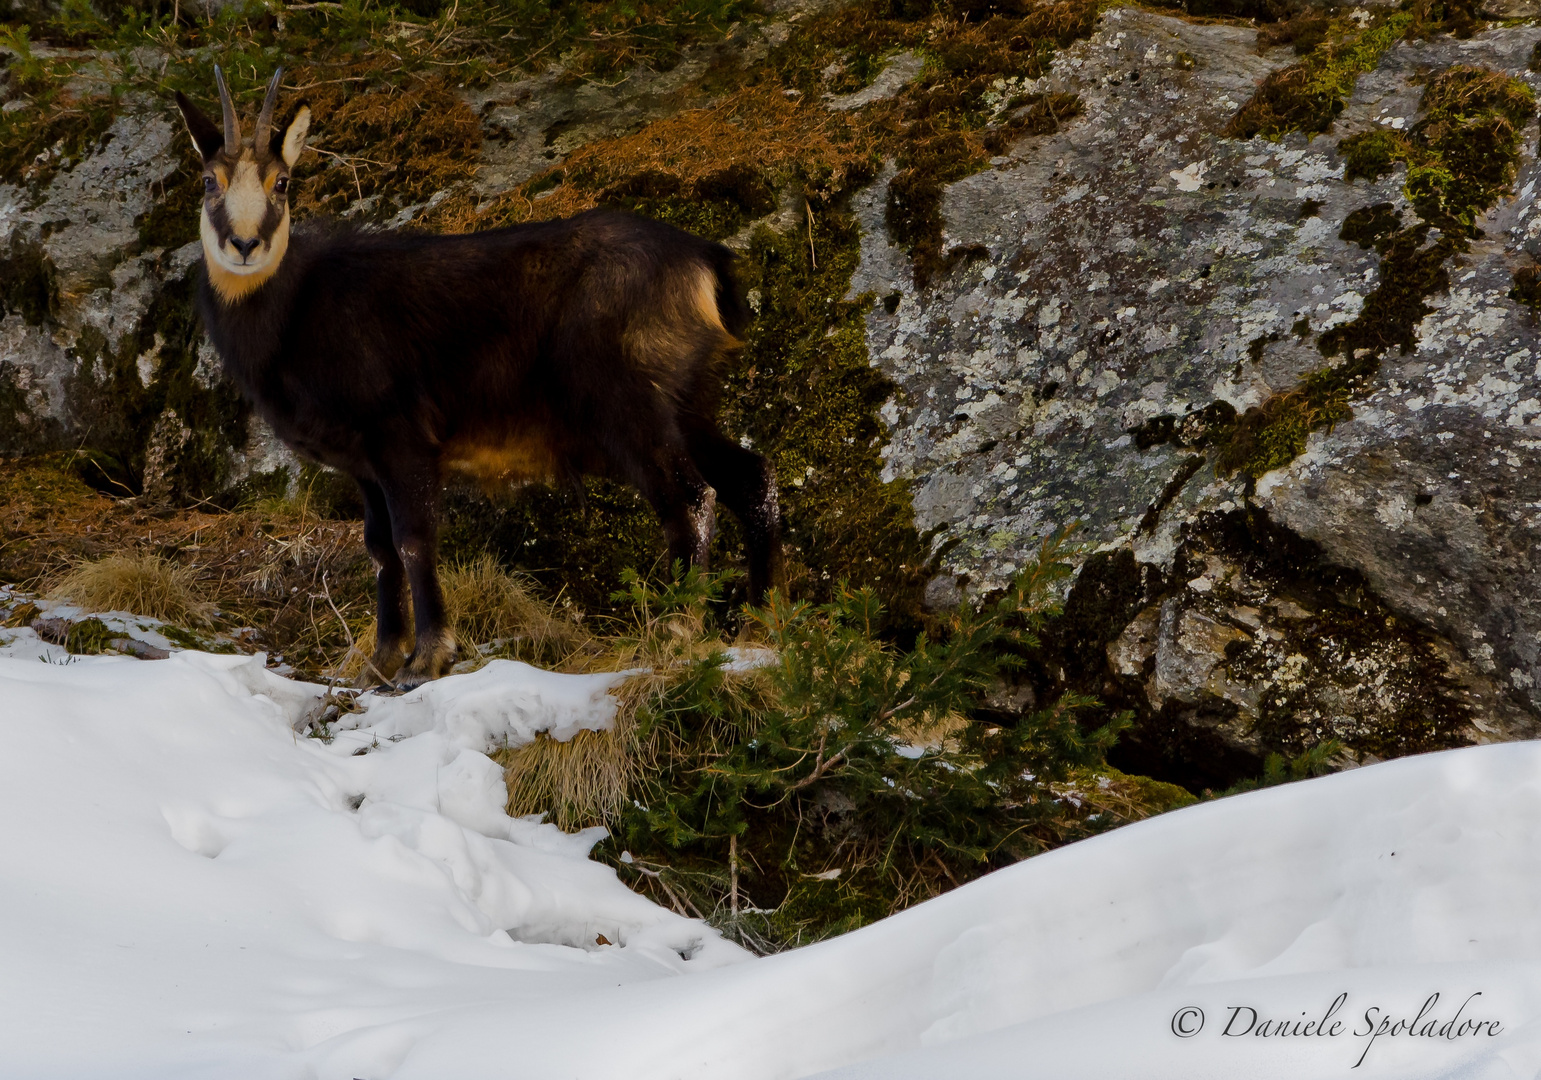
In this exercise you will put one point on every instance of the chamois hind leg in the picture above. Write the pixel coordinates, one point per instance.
(389, 577)
(412, 493)
(685, 502)
(746, 484)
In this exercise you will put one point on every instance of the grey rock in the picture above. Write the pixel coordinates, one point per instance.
(1138, 266)
(1189, 647)
(1134, 648)
(895, 76)
(78, 235)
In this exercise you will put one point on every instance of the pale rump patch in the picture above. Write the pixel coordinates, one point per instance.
(685, 320)
(704, 297)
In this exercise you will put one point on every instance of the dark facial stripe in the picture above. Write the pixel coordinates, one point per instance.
(271, 217)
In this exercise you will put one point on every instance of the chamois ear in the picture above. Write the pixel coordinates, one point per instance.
(206, 135)
(291, 144)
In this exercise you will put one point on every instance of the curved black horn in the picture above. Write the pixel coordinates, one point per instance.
(232, 125)
(265, 117)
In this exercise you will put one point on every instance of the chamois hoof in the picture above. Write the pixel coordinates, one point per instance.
(380, 670)
(426, 664)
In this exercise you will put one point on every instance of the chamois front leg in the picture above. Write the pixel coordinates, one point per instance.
(413, 497)
(390, 626)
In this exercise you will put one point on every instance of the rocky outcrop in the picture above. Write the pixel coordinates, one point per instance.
(1123, 289)
(100, 345)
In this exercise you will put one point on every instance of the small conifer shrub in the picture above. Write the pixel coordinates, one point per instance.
(830, 774)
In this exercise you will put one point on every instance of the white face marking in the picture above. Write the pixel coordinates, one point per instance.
(263, 260)
(246, 203)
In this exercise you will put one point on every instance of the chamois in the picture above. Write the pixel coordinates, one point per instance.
(591, 345)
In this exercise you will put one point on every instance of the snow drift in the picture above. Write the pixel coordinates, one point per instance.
(191, 888)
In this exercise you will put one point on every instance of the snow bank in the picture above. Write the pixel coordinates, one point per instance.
(189, 883)
(191, 888)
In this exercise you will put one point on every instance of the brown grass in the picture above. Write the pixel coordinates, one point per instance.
(578, 783)
(757, 131)
(270, 568)
(144, 584)
(403, 143)
(585, 780)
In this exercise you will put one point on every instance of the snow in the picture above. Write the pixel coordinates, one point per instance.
(191, 887)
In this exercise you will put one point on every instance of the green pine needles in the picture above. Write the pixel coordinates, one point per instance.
(833, 775)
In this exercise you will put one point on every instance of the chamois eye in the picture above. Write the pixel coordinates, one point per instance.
(281, 185)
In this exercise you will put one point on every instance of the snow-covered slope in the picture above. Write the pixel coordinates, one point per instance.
(190, 888)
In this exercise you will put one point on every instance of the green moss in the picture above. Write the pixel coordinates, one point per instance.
(54, 126)
(88, 637)
(1410, 273)
(1373, 154)
(1308, 96)
(914, 210)
(806, 394)
(716, 206)
(183, 638)
(104, 471)
(815, 909)
(1460, 18)
(1157, 796)
(1304, 31)
(1273, 434)
(1462, 156)
(935, 155)
(1197, 428)
(965, 107)
(1369, 225)
(27, 284)
(1527, 288)
(172, 219)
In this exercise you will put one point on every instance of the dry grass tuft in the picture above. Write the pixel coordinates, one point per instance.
(141, 584)
(585, 780)
(578, 783)
(359, 138)
(487, 604)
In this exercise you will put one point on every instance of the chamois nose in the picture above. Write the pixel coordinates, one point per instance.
(245, 247)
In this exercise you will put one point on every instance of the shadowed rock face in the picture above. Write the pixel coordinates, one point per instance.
(1114, 282)
(1116, 294)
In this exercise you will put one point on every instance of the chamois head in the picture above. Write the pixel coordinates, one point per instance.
(245, 220)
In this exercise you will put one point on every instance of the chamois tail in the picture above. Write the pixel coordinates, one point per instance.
(731, 306)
